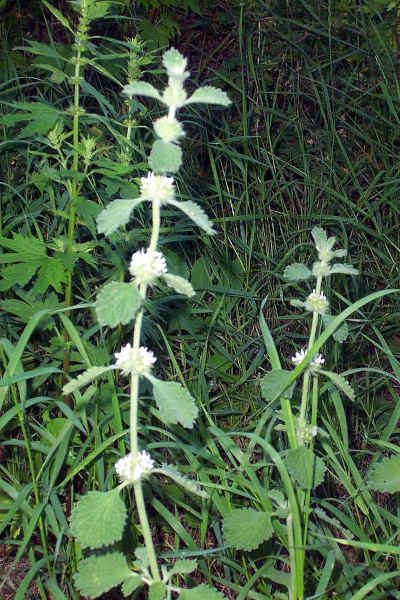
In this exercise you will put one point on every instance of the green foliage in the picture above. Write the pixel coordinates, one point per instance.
(273, 384)
(117, 303)
(246, 528)
(297, 272)
(175, 403)
(132, 583)
(306, 468)
(84, 379)
(385, 476)
(201, 592)
(157, 591)
(99, 574)
(188, 484)
(116, 214)
(98, 519)
(196, 214)
(340, 382)
(165, 157)
(179, 284)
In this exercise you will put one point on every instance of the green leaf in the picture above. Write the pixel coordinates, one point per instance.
(19, 274)
(141, 88)
(201, 592)
(52, 273)
(195, 213)
(345, 269)
(157, 591)
(175, 403)
(117, 303)
(209, 95)
(179, 284)
(319, 236)
(385, 477)
(99, 574)
(274, 381)
(340, 382)
(116, 214)
(131, 584)
(302, 461)
(98, 519)
(246, 528)
(341, 334)
(165, 157)
(174, 61)
(84, 378)
(58, 15)
(29, 248)
(182, 567)
(98, 10)
(188, 484)
(297, 272)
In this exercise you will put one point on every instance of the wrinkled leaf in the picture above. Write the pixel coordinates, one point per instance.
(274, 382)
(175, 403)
(117, 303)
(165, 157)
(246, 528)
(302, 461)
(195, 213)
(179, 284)
(209, 95)
(385, 476)
(297, 272)
(99, 574)
(116, 214)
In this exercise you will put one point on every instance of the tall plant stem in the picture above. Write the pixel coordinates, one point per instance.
(134, 401)
(306, 378)
(73, 196)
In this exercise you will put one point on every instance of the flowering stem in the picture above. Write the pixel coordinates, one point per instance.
(306, 378)
(134, 401)
(306, 510)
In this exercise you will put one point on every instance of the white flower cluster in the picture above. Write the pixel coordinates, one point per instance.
(147, 265)
(317, 303)
(168, 129)
(132, 470)
(136, 362)
(315, 364)
(157, 187)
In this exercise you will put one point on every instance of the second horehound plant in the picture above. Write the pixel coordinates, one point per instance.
(98, 520)
(287, 509)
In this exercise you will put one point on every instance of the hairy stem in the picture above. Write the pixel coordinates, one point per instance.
(144, 522)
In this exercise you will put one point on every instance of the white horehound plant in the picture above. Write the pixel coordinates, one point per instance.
(98, 520)
(300, 468)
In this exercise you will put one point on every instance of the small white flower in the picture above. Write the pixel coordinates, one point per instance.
(317, 361)
(317, 302)
(137, 362)
(147, 265)
(314, 431)
(132, 470)
(157, 187)
(298, 357)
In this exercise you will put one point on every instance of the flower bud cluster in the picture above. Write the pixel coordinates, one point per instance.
(132, 468)
(305, 434)
(317, 303)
